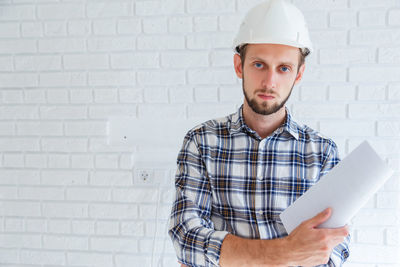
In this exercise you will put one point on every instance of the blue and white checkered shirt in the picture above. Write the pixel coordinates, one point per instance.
(230, 180)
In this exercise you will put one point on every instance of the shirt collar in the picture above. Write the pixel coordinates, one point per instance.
(238, 125)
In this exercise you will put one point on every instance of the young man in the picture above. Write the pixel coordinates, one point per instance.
(236, 174)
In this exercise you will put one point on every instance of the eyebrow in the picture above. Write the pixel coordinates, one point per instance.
(281, 63)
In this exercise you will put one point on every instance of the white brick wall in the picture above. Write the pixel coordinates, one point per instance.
(69, 198)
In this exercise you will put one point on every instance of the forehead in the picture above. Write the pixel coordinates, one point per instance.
(269, 52)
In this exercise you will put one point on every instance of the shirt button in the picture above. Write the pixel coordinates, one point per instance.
(259, 178)
(260, 212)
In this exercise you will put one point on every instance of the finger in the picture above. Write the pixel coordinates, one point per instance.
(336, 232)
(320, 217)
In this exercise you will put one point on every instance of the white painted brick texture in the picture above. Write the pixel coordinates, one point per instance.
(70, 198)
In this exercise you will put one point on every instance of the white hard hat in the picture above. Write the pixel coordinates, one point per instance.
(274, 22)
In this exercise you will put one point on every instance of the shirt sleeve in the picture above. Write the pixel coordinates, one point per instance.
(192, 232)
(341, 252)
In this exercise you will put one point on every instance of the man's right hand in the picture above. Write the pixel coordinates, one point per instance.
(308, 246)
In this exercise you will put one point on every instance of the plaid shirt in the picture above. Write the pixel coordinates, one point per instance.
(230, 180)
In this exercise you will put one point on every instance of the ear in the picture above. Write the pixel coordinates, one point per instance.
(300, 74)
(237, 62)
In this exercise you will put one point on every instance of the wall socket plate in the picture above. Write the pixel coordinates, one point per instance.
(143, 176)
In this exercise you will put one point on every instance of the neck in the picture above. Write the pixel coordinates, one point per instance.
(264, 125)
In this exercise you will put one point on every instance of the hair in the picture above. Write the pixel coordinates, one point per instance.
(241, 50)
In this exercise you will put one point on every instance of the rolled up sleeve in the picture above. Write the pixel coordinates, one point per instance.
(195, 240)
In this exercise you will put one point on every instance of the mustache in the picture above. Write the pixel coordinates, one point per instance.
(265, 91)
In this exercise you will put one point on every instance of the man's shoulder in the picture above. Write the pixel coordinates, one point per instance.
(308, 134)
(219, 125)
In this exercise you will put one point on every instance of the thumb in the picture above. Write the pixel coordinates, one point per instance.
(320, 217)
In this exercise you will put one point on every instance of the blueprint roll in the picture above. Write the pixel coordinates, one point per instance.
(346, 189)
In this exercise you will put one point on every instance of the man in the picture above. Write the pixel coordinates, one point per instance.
(236, 174)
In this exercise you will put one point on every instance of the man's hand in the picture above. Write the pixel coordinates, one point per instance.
(308, 246)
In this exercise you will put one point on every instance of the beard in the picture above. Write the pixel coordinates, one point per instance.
(264, 108)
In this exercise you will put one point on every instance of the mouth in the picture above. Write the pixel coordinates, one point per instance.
(265, 97)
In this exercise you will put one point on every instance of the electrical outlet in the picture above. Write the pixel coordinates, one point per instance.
(144, 176)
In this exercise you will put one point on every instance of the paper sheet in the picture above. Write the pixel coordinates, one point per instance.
(346, 189)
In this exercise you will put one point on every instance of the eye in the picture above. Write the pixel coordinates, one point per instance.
(284, 69)
(258, 65)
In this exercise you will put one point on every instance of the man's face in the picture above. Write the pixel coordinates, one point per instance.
(268, 75)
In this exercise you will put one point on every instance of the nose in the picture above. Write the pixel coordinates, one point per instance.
(269, 81)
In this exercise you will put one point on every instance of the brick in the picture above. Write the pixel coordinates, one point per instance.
(20, 177)
(105, 111)
(107, 228)
(13, 224)
(229, 23)
(60, 226)
(170, 77)
(19, 80)
(206, 94)
(126, 260)
(388, 200)
(88, 194)
(13, 160)
(52, 177)
(325, 74)
(6, 63)
(34, 96)
(82, 161)
(57, 161)
(209, 6)
(62, 45)
(371, 92)
(111, 178)
(132, 95)
(126, 161)
(10, 208)
(111, 78)
(81, 96)
(372, 3)
(129, 26)
(109, 9)
(374, 37)
(8, 192)
(205, 24)
(19, 144)
(44, 193)
(232, 94)
(191, 59)
(160, 42)
(316, 20)
(135, 195)
(87, 128)
(392, 236)
(42, 257)
(9, 30)
(221, 58)
(373, 217)
(388, 128)
(320, 111)
(209, 40)
(90, 259)
(63, 112)
(39, 128)
(374, 253)
(156, 95)
(57, 96)
(155, 8)
(35, 225)
(7, 128)
(389, 55)
(35, 160)
(86, 61)
(42, 62)
(180, 24)
(105, 27)
(79, 27)
(343, 18)
(12, 96)
(342, 92)
(50, 144)
(394, 17)
(20, 240)
(372, 17)
(325, 38)
(65, 242)
(374, 74)
(65, 210)
(113, 211)
(321, 4)
(17, 12)
(347, 56)
(55, 28)
(61, 11)
(63, 79)
(155, 25)
(211, 76)
(312, 93)
(134, 60)
(208, 111)
(82, 227)
(181, 94)
(132, 228)
(394, 91)
(370, 235)
(163, 111)
(106, 161)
